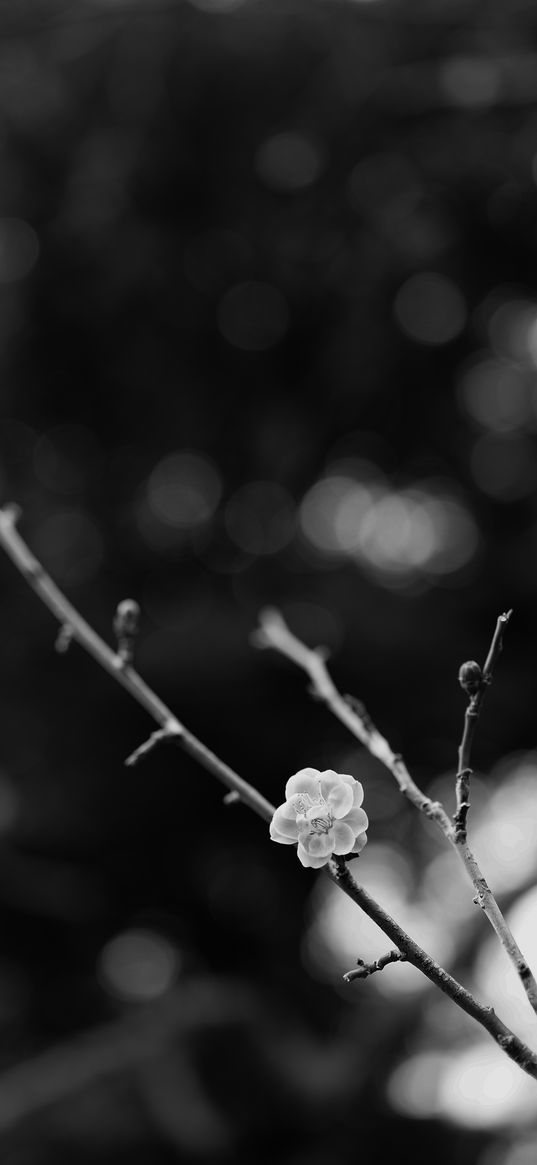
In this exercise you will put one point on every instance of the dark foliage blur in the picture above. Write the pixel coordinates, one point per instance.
(268, 335)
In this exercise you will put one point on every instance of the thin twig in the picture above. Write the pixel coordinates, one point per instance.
(53, 598)
(486, 1016)
(125, 675)
(67, 1069)
(475, 682)
(274, 632)
(364, 970)
(148, 745)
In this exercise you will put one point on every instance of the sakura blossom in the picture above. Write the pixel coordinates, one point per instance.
(321, 813)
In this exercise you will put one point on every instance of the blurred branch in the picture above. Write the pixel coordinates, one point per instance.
(30, 1087)
(68, 1068)
(274, 632)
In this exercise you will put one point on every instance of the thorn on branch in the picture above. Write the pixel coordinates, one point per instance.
(64, 638)
(363, 970)
(126, 627)
(149, 744)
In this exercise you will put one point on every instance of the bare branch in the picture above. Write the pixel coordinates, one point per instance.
(112, 663)
(156, 737)
(486, 1016)
(475, 683)
(53, 598)
(274, 632)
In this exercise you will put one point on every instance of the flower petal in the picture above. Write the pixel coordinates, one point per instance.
(356, 786)
(305, 781)
(343, 836)
(358, 846)
(338, 794)
(358, 794)
(275, 836)
(318, 844)
(311, 861)
(357, 819)
(284, 821)
(341, 777)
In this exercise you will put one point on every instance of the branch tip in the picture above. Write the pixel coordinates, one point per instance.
(10, 513)
(148, 745)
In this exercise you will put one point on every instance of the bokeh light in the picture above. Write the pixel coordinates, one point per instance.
(504, 467)
(471, 82)
(183, 490)
(320, 509)
(511, 326)
(473, 1083)
(289, 161)
(339, 934)
(482, 1088)
(430, 308)
(419, 532)
(138, 965)
(498, 395)
(506, 832)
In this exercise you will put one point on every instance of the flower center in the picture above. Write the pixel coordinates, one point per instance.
(321, 824)
(315, 814)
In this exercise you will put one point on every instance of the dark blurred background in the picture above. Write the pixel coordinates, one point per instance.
(268, 335)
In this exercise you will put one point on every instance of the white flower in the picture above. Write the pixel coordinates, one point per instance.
(322, 813)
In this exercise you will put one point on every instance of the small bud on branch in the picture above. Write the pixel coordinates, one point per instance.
(470, 677)
(126, 627)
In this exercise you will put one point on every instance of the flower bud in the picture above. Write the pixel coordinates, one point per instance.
(126, 622)
(126, 618)
(470, 677)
